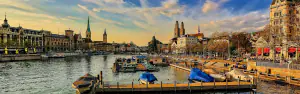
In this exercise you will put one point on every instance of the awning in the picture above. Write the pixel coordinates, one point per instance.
(259, 51)
(292, 50)
(278, 50)
(266, 50)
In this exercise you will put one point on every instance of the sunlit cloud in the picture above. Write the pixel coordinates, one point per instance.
(124, 19)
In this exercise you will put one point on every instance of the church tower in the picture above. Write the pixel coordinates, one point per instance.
(105, 36)
(182, 30)
(88, 31)
(176, 30)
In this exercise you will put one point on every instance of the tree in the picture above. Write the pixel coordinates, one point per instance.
(240, 42)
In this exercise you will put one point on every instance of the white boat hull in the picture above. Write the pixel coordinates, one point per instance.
(218, 77)
(145, 82)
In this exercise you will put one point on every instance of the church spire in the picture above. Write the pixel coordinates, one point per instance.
(198, 29)
(88, 32)
(88, 25)
(105, 31)
(5, 17)
(105, 36)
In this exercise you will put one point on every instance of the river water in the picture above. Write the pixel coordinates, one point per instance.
(55, 76)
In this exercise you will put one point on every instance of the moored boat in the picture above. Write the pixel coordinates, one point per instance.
(150, 67)
(196, 75)
(236, 74)
(147, 78)
(84, 83)
(218, 77)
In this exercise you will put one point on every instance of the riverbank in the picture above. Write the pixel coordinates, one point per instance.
(19, 57)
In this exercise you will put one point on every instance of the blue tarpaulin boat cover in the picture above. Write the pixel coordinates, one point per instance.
(146, 76)
(198, 75)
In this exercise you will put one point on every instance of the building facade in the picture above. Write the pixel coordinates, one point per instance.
(20, 38)
(185, 44)
(283, 32)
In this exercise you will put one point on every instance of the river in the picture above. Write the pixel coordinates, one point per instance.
(55, 76)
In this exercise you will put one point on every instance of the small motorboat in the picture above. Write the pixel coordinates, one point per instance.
(196, 75)
(84, 83)
(236, 74)
(147, 77)
(150, 67)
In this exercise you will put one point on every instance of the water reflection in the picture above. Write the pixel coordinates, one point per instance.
(88, 63)
(105, 58)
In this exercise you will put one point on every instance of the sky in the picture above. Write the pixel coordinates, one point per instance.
(137, 20)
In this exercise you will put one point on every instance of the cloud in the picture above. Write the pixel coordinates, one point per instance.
(17, 4)
(141, 25)
(211, 5)
(94, 15)
(249, 22)
(170, 4)
(31, 14)
(74, 18)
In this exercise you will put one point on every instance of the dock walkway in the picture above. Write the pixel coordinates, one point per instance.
(177, 87)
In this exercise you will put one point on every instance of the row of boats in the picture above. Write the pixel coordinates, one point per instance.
(136, 63)
(68, 54)
(87, 82)
(196, 75)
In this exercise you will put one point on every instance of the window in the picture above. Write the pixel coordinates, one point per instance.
(279, 13)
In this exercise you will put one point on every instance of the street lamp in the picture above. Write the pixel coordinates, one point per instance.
(274, 47)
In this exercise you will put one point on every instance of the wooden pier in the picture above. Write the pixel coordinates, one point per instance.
(180, 67)
(167, 87)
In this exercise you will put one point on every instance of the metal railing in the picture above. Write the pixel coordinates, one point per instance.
(278, 65)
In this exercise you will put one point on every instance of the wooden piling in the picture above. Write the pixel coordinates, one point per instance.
(201, 85)
(102, 87)
(239, 83)
(132, 86)
(161, 85)
(226, 83)
(175, 86)
(147, 84)
(118, 85)
(101, 77)
(214, 83)
(189, 87)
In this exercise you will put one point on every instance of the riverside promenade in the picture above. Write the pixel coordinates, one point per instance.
(19, 57)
